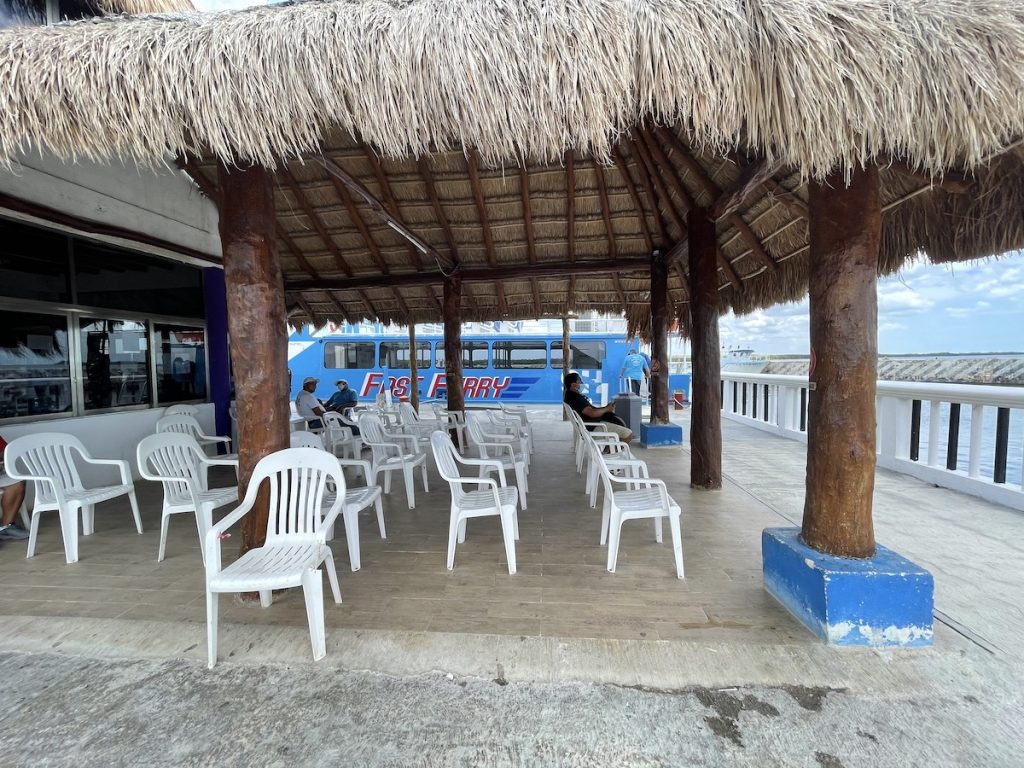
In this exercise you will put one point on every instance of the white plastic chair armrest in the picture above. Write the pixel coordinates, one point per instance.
(219, 462)
(478, 481)
(212, 542)
(492, 463)
(121, 464)
(361, 463)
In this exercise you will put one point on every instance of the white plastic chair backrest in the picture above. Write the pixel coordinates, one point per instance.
(444, 457)
(298, 480)
(187, 410)
(303, 439)
(335, 425)
(602, 469)
(408, 413)
(181, 423)
(47, 454)
(372, 431)
(170, 454)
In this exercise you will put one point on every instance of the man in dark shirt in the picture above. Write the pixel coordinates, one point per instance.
(591, 413)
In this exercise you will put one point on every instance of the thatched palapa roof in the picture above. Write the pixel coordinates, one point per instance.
(544, 149)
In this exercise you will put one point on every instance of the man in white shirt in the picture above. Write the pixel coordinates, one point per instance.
(309, 408)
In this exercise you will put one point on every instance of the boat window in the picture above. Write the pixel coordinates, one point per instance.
(35, 370)
(474, 354)
(349, 354)
(395, 354)
(583, 355)
(180, 363)
(115, 363)
(520, 354)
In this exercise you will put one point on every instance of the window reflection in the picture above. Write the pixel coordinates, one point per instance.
(180, 363)
(35, 375)
(115, 363)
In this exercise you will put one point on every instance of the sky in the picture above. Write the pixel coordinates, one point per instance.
(925, 308)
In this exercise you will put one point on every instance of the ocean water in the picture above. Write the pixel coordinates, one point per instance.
(1015, 447)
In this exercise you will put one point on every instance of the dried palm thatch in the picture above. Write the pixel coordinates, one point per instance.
(551, 139)
(136, 7)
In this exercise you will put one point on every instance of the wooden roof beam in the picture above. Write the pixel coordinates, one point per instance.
(531, 251)
(643, 152)
(481, 209)
(950, 182)
(751, 179)
(645, 179)
(695, 168)
(665, 168)
(416, 244)
(318, 225)
(638, 207)
(297, 254)
(602, 189)
(478, 275)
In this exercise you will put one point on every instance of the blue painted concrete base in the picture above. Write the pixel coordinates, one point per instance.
(883, 601)
(660, 435)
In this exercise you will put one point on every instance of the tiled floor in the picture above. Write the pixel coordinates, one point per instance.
(561, 589)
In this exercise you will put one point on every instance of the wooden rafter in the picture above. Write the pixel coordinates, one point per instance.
(561, 269)
(452, 263)
(951, 182)
(788, 197)
(371, 245)
(638, 207)
(570, 186)
(651, 170)
(751, 179)
(392, 206)
(531, 252)
(602, 189)
(709, 186)
(313, 319)
(666, 169)
(314, 220)
(645, 179)
(297, 254)
(485, 224)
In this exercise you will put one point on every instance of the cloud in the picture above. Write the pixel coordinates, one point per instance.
(901, 299)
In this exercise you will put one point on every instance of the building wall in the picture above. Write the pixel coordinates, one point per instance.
(162, 203)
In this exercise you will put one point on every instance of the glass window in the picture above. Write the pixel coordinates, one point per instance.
(583, 355)
(349, 354)
(35, 372)
(180, 363)
(115, 363)
(33, 263)
(110, 277)
(395, 354)
(520, 354)
(474, 354)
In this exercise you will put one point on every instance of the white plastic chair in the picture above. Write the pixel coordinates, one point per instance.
(644, 498)
(49, 460)
(508, 428)
(188, 425)
(296, 544)
(390, 452)
(502, 452)
(356, 499)
(181, 410)
(177, 461)
(618, 458)
(411, 424)
(338, 436)
(521, 415)
(489, 498)
(452, 420)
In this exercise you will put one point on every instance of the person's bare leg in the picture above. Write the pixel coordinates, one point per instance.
(12, 498)
(628, 438)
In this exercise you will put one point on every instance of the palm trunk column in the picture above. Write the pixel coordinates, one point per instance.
(845, 233)
(659, 339)
(706, 406)
(414, 373)
(452, 308)
(257, 324)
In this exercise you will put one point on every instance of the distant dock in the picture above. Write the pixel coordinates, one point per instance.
(1006, 370)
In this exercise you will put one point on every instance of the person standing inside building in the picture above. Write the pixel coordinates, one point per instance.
(634, 370)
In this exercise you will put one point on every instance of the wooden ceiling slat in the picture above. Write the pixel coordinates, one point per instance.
(650, 169)
(602, 189)
(531, 253)
(751, 179)
(638, 207)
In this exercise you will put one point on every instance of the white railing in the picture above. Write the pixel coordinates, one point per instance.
(961, 436)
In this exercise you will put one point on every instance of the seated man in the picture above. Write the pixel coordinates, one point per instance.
(13, 495)
(309, 408)
(343, 400)
(590, 413)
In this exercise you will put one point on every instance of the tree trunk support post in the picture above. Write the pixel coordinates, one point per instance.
(706, 406)
(659, 339)
(566, 355)
(829, 573)
(257, 324)
(414, 373)
(452, 306)
(845, 236)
